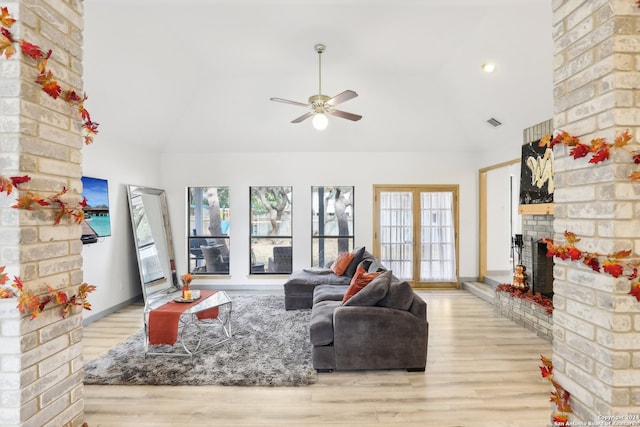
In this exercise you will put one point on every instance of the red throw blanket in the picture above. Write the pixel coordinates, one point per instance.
(163, 321)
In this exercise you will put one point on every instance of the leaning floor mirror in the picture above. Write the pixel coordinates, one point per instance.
(152, 240)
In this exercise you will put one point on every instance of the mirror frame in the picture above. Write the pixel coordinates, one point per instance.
(169, 281)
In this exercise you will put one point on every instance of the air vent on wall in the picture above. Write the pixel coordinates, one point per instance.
(494, 122)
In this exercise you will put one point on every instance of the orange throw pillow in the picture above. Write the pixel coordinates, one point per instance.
(341, 264)
(361, 279)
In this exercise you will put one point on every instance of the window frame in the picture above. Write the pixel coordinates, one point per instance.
(321, 239)
(220, 243)
(273, 264)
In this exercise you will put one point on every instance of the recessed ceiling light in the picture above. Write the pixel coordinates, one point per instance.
(488, 67)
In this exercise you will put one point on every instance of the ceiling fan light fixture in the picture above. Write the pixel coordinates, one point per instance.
(320, 104)
(489, 67)
(320, 121)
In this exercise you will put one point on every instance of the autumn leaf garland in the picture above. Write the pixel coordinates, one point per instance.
(46, 79)
(559, 396)
(618, 264)
(27, 302)
(598, 149)
(29, 200)
(33, 304)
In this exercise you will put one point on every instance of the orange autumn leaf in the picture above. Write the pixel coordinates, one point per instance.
(6, 46)
(598, 143)
(85, 289)
(5, 185)
(5, 18)
(545, 141)
(59, 215)
(635, 175)
(78, 216)
(28, 302)
(563, 137)
(4, 278)
(27, 200)
(635, 291)
(561, 420)
(622, 139)
(571, 237)
(621, 254)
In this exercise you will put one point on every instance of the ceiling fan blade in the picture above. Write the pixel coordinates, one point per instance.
(342, 97)
(286, 101)
(302, 117)
(345, 115)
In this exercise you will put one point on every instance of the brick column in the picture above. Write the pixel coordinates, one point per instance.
(596, 323)
(40, 360)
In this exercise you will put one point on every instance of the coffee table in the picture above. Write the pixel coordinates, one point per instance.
(192, 328)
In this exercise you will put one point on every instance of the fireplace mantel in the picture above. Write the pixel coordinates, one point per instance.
(536, 209)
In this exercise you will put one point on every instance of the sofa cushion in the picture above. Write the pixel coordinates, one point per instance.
(339, 267)
(329, 293)
(399, 296)
(361, 279)
(321, 323)
(373, 292)
(376, 266)
(358, 253)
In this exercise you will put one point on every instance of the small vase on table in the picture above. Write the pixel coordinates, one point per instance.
(186, 286)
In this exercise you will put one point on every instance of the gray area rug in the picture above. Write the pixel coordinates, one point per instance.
(270, 347)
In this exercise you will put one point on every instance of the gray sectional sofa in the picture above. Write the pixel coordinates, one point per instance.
(383, 326)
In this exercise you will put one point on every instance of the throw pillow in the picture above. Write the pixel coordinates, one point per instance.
(400, 296)
(358, 253)
(376, 266)
(358, 282)
(373, 292)
(341, 264)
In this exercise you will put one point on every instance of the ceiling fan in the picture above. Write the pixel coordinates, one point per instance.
(320, 104)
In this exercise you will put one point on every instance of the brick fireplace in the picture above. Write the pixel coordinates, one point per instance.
(539, 268)
(536, 227)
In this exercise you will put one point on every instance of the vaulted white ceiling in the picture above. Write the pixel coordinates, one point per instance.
(196, 76)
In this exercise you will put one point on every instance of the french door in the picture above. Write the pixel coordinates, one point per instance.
(416, 233)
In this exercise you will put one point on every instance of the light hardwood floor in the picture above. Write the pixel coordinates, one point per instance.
(482, 371)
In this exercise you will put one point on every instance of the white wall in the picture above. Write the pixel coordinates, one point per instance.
(111, 263)
(503, 220)
(239, 171)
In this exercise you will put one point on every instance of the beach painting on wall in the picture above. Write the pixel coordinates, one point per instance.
(96, 213)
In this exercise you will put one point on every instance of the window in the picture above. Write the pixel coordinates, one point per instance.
(332, 219)
(208, 225)
(271, 239)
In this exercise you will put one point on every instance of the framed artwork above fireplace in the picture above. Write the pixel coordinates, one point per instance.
(536, 179)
